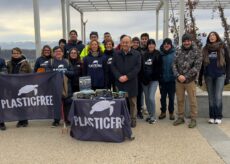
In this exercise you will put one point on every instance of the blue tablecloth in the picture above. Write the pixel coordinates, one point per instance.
(100, 120)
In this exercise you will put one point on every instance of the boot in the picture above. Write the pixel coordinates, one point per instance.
(162, 115)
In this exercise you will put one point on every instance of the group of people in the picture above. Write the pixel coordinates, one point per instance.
(136, 67)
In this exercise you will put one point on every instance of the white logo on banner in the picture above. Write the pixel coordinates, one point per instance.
(28, 89)
(102, 106)
(100, 122)
(27, 101)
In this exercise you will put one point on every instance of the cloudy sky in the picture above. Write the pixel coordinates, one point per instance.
(16, 21)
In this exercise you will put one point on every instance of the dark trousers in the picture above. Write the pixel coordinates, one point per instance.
(167, 89)
(139, 97)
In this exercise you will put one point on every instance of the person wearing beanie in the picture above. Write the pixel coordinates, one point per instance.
(73, 42)
(186, 67)
(93, 36)
(167, 83)
(216, 72)
(151, 69)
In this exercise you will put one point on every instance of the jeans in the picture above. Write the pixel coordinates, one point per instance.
(150, 91)
(215, 88)
(167, 88)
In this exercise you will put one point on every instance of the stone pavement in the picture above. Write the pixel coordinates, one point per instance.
(159, 143)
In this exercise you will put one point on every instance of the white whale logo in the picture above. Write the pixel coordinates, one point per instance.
(27, 89)
(102, 106)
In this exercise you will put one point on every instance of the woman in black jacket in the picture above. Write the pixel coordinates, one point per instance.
(150, 71)
(77, 66)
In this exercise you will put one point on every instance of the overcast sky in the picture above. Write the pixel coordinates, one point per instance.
(16, 21)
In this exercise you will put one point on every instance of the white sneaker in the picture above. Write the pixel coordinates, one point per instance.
(218, 121)
(211, 121)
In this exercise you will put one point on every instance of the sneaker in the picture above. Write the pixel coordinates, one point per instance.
(2, 126)
(211, 121)
(171, 117)
(152, 121)
(162, 116)
(133, 123)
(147, 119)
(218, 121)
(55, 124)
(192, 124)
(178, 121)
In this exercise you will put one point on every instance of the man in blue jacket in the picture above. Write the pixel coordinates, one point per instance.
(167, 83)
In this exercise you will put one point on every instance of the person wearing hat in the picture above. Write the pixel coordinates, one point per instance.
(93, 36)
(167, 83)
(73, 42)
(151, 69)
(186, 67)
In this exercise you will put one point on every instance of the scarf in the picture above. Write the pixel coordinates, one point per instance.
(218, 46)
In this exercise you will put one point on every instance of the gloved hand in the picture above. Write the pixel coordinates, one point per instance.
(226, 81)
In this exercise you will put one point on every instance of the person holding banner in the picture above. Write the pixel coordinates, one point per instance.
(2, 71)
(58, 63)
(18, 65)
(42, 61)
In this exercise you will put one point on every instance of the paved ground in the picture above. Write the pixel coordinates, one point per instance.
(160, 143)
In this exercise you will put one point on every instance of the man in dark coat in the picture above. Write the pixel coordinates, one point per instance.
(125, 67)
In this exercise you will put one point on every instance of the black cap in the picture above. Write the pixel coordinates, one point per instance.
(151, 41)
(186, 36)
(93, 33)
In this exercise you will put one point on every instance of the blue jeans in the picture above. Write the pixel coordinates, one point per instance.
(150, 91)
(167, 89)
(215, 88)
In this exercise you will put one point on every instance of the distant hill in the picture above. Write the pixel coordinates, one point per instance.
(25, 45)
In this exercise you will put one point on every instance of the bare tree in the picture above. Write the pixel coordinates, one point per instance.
(225, 25)
(189, 21)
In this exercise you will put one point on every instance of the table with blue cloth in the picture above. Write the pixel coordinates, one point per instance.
(100, 120)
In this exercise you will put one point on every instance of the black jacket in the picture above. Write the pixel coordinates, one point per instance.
(41, 61)
(151, 68)
(129, 65)
(73, 44)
